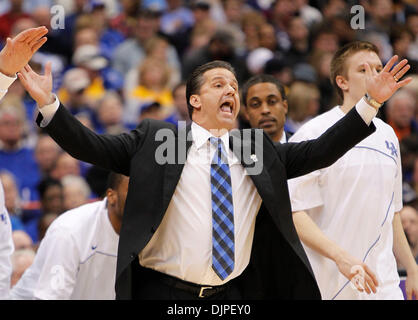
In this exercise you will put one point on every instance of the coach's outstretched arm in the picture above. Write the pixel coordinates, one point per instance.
(304, 157)
(112, 152)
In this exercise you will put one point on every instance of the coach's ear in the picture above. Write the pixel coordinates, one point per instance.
(195, 101)
(341, 82)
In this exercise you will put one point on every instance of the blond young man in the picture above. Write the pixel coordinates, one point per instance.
(347, 214)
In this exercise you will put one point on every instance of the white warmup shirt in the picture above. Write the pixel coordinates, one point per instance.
(6, 242)
(353, 202)
(76, 259)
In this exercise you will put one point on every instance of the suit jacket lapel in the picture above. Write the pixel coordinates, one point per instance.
(173, 172)
(250, 155)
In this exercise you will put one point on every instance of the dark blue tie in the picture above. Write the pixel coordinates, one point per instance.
(223, 247)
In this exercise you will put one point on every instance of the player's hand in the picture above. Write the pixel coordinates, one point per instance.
(382, 85)
(359, 274)
(18, 51)
(38, 86)
(411, 285)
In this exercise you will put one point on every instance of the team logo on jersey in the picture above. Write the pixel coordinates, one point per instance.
(3, 218)
(392, 148)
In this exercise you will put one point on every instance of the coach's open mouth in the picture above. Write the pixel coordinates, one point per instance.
(227, 107)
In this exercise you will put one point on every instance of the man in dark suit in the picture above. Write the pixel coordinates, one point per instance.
(217, 229)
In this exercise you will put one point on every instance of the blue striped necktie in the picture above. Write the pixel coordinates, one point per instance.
(223, 247)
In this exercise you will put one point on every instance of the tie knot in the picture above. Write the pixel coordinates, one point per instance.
(216, 142)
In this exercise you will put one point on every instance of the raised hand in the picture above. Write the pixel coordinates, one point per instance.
(18, 51)
(382, 85)
(38, 86)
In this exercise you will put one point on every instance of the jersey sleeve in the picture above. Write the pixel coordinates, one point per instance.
(54, 271)
(304, 191)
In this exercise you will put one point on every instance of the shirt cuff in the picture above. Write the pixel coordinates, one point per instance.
(6, 82)
(366, 111)
(48, 112)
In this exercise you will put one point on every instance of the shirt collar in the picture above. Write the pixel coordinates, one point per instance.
(201, 136)
(283, 138)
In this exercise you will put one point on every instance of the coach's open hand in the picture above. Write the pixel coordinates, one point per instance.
(18, 51)
(38, 86)
(382, 85)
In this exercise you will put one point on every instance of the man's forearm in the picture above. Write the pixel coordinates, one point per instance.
(401, 247)
(313, 237)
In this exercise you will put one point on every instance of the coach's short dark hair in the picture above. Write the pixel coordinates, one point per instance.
(195, 81)
(261, 78)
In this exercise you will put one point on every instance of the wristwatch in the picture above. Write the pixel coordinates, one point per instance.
(373, 102)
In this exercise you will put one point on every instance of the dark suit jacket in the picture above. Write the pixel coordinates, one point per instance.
(278, 267)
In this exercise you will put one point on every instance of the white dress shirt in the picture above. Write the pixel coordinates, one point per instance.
(182, 244)
(353, 202)
(6, 242)
(76, 259)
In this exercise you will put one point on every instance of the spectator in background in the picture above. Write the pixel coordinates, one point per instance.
(154, 76)
(151, 110)
(251, 23)
(15, 155)
(109, 38)
(267, 38)
(299, 49)
(400, 114)
(181, 113)
(65, 165)
(76, 191)
(310, 15)
(220, 47)
(12, 200)
(176, 17)
(101, 76)
(74, 92)
(110, 114)
(412, 23)
(281, 70)
(324, 39)
(51, 202)
(321, 62)
(409, 219)
(303, 100)
(282, 12)
(85, 35)
(9, 18)
(156, 48)
(46, 154)
(125, 21)
(401, 38)
(131, 52)
(379, 15)
(333, 8)
(198, 34)
(84, 242)
(22, 259)
(257, 59)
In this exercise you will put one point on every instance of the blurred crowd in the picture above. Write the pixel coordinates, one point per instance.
(115, 63)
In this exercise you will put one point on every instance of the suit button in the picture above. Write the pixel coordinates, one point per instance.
(133, 255)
